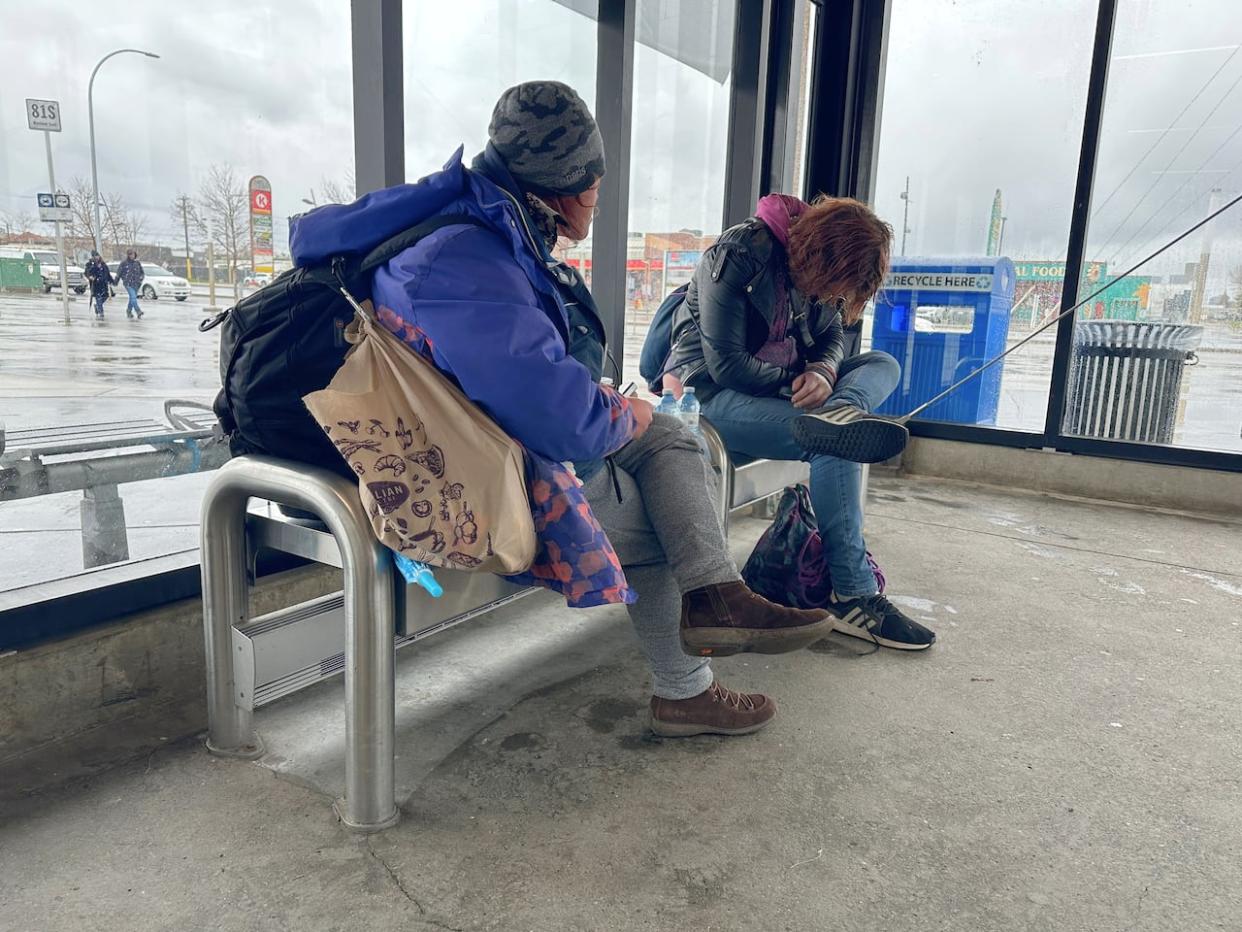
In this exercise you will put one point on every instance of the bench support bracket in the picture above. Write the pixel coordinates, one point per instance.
(369, 804)
(104, 538)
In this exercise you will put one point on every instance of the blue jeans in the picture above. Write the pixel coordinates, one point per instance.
(760, 428)
(133, 300)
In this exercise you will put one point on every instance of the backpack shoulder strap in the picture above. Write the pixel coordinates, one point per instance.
(407, 238)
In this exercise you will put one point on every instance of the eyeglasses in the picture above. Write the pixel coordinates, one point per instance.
(592, 195)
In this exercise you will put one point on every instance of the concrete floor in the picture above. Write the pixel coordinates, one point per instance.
(1065, 758)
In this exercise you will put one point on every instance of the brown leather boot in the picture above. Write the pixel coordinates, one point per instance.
(728, 618)
(717, 711)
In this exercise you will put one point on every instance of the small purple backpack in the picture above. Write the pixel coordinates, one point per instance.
(788, 565)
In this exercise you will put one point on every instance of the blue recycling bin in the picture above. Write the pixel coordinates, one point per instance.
(942, 319)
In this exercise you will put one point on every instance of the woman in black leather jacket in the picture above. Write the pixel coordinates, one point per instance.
(760, 337)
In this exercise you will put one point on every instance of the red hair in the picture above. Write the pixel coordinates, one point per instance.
(838, 247)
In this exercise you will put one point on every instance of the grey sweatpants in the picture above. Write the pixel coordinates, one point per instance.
(667, 534)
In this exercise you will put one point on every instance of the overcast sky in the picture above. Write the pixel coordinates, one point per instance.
(987, 94)
(264, 87)
(980, 95)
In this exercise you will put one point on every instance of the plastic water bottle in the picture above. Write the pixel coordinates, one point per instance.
(689, 410)
(668, 404)
(416, 572)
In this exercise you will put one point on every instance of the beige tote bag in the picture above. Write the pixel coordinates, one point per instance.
(441, 481)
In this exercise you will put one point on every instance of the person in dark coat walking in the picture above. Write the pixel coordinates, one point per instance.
(100, 278)
(130, 274)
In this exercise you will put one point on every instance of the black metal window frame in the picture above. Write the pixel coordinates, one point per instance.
(847, 95)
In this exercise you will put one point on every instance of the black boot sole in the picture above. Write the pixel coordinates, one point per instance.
(870, 440)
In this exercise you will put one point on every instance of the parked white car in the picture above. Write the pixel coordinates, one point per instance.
(161, 283)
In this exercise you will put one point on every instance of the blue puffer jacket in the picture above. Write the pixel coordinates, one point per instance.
(485, 301)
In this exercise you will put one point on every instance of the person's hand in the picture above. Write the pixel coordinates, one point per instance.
(642, 411)
(810, 390)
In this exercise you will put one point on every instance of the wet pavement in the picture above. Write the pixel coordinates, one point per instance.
(53, 374)
(87, 372)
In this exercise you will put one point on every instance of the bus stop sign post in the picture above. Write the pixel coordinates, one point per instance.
(44, 115)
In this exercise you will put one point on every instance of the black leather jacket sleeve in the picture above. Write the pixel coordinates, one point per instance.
(723, 314)
(829, 344)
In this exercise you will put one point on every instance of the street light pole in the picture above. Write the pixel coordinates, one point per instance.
(905, 215)
(1199, 286)
(90, 111)
(183, 203)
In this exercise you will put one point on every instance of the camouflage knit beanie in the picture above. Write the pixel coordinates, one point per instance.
(547, 138)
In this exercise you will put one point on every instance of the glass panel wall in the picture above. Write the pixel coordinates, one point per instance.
(240, 106)
(978, 155)
(806, 16)
(1158, 355)
(456, 66)
(677, 151)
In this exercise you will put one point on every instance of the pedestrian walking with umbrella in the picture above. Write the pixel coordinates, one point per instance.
(100, 278)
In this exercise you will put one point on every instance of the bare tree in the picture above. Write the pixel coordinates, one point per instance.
(184, 214)
(1235, 277)
(24, 220)
(221, 215)
(17, 223)
(335, 192)
(122, 226)
(81, 202)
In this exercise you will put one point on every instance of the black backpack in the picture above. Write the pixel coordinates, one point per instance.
(287, 340)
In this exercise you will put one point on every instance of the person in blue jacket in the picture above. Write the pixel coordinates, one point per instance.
(519, 332)
(130, 274)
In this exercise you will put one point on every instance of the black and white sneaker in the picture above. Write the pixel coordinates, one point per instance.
(850, 433)
(874, 618)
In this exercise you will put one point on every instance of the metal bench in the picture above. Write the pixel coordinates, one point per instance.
(252, 661)
(745, 482)
(95, 458)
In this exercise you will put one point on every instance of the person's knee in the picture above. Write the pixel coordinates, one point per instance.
(887, 368)
(669, 422)
(672, 429)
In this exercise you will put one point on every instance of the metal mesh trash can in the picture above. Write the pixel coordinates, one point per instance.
(1127, 378)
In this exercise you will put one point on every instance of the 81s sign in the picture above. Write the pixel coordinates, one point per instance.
(43, 114)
